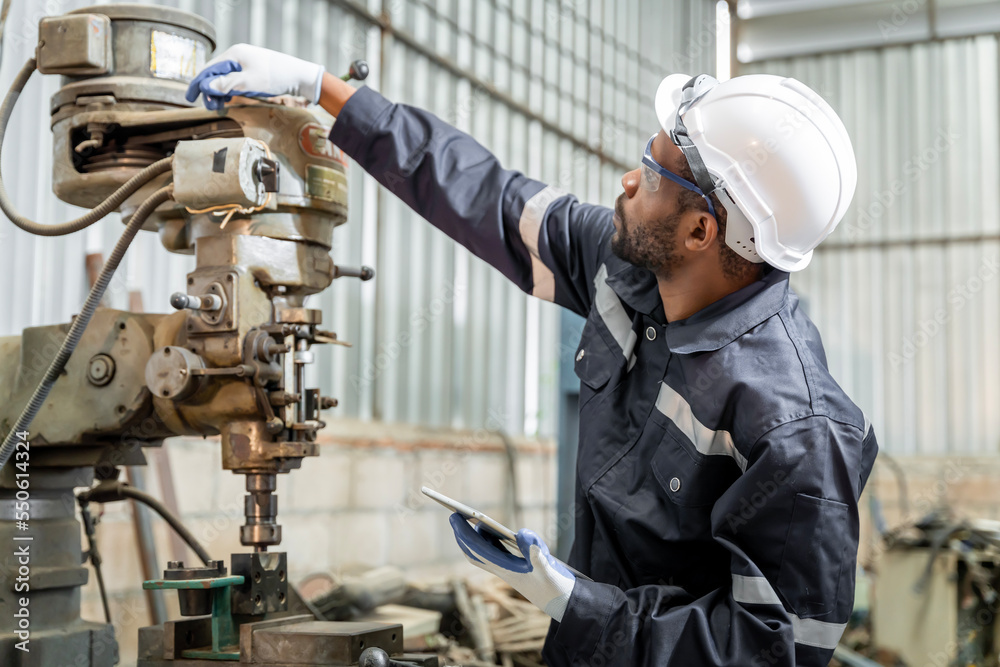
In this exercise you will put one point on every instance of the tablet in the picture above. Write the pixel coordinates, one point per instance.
(506, 535)
(495, 527)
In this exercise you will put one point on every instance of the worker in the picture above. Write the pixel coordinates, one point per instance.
(719, 464)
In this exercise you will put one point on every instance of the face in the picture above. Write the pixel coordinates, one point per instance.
(647, 224)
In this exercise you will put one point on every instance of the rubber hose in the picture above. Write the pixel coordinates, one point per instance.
(103, 493)
(90, 217)
(81, 321)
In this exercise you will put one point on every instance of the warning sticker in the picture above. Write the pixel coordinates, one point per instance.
(175, 57)
(314, 141)
(326, 183)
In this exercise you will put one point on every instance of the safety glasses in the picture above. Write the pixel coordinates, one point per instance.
(652, 171)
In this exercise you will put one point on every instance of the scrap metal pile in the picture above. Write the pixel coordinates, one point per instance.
(474, 623)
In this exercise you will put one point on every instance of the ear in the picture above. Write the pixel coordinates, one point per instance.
(702, 231)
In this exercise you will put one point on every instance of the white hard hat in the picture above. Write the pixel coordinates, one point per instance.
(776, 154)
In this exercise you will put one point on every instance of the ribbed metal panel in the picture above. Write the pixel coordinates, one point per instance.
(906, 291)
(771, 29)
(440, 338)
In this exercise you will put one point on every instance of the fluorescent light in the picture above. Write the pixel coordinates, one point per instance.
(722, 40)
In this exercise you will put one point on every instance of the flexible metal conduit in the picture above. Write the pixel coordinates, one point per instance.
(97, 291)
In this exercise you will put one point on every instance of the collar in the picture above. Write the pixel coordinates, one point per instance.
(715, 325)
(634, 285)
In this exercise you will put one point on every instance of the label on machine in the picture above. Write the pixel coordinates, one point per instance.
(175, 57)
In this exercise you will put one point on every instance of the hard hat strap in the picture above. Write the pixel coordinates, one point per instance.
(698, 168)
(693, 91)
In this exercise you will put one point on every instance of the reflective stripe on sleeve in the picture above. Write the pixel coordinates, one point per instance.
(543, 281)
(807, 631)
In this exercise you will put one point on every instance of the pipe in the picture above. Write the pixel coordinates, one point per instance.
(94, 555)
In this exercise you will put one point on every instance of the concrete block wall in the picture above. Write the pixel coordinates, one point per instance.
(358, 502)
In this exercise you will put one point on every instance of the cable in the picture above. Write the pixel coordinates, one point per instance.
(228, 210)
(115, 490)
(81, 320)
(90, 217)
(94, 555)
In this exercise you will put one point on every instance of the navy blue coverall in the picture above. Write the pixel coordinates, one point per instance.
(719, 464)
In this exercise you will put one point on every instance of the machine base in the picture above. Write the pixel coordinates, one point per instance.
(289, 641)
(84, 643)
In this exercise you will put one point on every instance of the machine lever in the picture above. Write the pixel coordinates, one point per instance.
(364, 273)
(208, 302)
(358, 71)
(243, 370)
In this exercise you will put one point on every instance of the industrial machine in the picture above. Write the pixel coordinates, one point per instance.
(254, 191)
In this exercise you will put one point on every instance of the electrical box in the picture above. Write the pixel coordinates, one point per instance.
(74, 45)
(219, 172)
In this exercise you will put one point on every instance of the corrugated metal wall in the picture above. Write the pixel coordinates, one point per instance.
(906, 291)
(548, 85)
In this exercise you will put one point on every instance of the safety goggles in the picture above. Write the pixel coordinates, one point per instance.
(652, 171)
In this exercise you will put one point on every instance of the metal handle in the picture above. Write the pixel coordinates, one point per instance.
(209, 302)
(364, 272)
(358, 71)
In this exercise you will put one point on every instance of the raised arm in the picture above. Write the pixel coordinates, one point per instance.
(541, 238)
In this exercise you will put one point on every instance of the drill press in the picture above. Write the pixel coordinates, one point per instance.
(254, 191)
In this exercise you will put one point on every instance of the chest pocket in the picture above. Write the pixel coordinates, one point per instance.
(596, 361)
(689, 478)
(665, 524)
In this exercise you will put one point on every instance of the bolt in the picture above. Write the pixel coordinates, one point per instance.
(100, 370)
(282, 398)
(326, 402)
(276, 348)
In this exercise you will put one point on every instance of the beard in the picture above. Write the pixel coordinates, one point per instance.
(651, 245)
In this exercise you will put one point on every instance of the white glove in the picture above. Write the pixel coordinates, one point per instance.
(542, 579)
(251, 71)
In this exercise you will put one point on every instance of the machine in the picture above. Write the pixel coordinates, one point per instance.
(254, 191)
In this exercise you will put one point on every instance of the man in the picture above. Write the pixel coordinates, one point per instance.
(719, 465)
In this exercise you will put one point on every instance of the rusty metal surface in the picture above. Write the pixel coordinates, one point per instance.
(276, 642)
(289, 132)
(78, 411)
(169, 372)
(323, 642)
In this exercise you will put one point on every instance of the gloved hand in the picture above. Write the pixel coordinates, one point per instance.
(252, 71)
(538, 576)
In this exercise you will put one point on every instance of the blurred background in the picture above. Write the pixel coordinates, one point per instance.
(459, 381)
